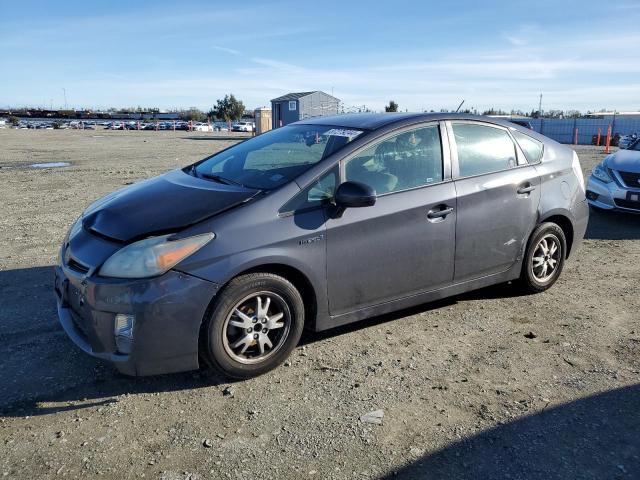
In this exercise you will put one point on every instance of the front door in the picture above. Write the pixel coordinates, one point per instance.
(498, 195)
(405, 243)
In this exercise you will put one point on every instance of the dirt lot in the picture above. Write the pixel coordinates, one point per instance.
(465, 390)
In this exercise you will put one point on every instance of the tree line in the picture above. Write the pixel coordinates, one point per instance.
(229, 109)
(392, 106)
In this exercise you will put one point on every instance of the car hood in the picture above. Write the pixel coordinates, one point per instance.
(161, 205)
(625, 160)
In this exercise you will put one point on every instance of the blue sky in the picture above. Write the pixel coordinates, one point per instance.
(423, 54)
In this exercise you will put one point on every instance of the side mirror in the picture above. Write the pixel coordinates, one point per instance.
(354, 195)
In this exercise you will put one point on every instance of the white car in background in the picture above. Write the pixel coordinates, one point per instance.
(243, 127)
(201, 127)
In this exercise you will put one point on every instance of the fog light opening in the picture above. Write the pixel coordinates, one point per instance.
(123, 332)
(592, 195)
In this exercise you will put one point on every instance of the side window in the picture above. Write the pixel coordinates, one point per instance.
(318, 193)
(532, 148)
(483, 149)
(292, 105)
(410, 159)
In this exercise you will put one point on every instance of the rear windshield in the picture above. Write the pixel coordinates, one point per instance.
(276, 157)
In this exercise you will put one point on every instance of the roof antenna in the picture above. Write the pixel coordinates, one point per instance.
(458, 109)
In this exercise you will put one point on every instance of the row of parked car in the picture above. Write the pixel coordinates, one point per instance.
(243, 126)
(178, 125)
(182, 125)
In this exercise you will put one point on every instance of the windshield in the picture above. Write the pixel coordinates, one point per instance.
(276, 157)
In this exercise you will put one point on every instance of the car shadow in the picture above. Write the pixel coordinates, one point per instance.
(594, 437)
(43, 372)
(612, 226)
(502, 290)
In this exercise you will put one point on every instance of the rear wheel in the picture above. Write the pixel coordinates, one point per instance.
(544, 259)
(256, 322)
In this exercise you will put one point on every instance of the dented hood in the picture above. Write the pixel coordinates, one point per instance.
(161, 205)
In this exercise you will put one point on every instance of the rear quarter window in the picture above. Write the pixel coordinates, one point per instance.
(531, 147)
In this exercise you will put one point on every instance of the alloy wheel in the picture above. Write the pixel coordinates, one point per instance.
(546, 258)
(256, 327)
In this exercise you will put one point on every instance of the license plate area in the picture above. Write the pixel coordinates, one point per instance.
(79, 314)
(76, 299)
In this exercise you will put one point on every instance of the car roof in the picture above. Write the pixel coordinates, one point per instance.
(374, 121)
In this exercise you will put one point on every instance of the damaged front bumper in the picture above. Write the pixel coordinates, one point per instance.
(168, 312)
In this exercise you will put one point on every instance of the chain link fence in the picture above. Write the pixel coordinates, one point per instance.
(584, 131)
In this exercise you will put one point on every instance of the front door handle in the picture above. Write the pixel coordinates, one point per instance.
(439, 213)
(528, 188)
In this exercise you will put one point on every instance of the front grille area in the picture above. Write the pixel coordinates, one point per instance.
(627, 204)
(630, 179)
(72, 263)
(77, 266)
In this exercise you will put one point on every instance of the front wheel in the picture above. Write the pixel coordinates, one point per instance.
(255, 324)
(544, 259)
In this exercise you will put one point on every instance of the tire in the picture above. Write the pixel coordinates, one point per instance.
(237, 350)
(534, 277)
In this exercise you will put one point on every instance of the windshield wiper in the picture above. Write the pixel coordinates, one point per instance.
(219, 179)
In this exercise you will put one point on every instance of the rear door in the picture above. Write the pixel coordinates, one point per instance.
(498, 194)
(404, 244)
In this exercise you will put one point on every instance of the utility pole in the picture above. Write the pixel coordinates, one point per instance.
(540, 106)
(540, 115)
(64, 93)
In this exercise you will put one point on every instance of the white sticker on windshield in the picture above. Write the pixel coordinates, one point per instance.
(341, 132)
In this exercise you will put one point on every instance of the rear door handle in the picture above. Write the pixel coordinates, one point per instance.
(440, 213)
(526, 189)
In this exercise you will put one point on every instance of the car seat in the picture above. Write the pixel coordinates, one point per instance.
(372, 171)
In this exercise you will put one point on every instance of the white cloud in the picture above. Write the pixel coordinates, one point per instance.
(226, 50)
(524, 35)
(587, 71)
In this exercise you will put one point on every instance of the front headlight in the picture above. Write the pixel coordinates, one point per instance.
(152, 256)
(601, 173)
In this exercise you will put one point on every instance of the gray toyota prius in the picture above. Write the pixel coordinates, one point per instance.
(313, 225)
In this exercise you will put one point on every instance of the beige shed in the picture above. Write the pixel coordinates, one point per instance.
(263, 120)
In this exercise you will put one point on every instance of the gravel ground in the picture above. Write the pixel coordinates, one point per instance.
(485, 385)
